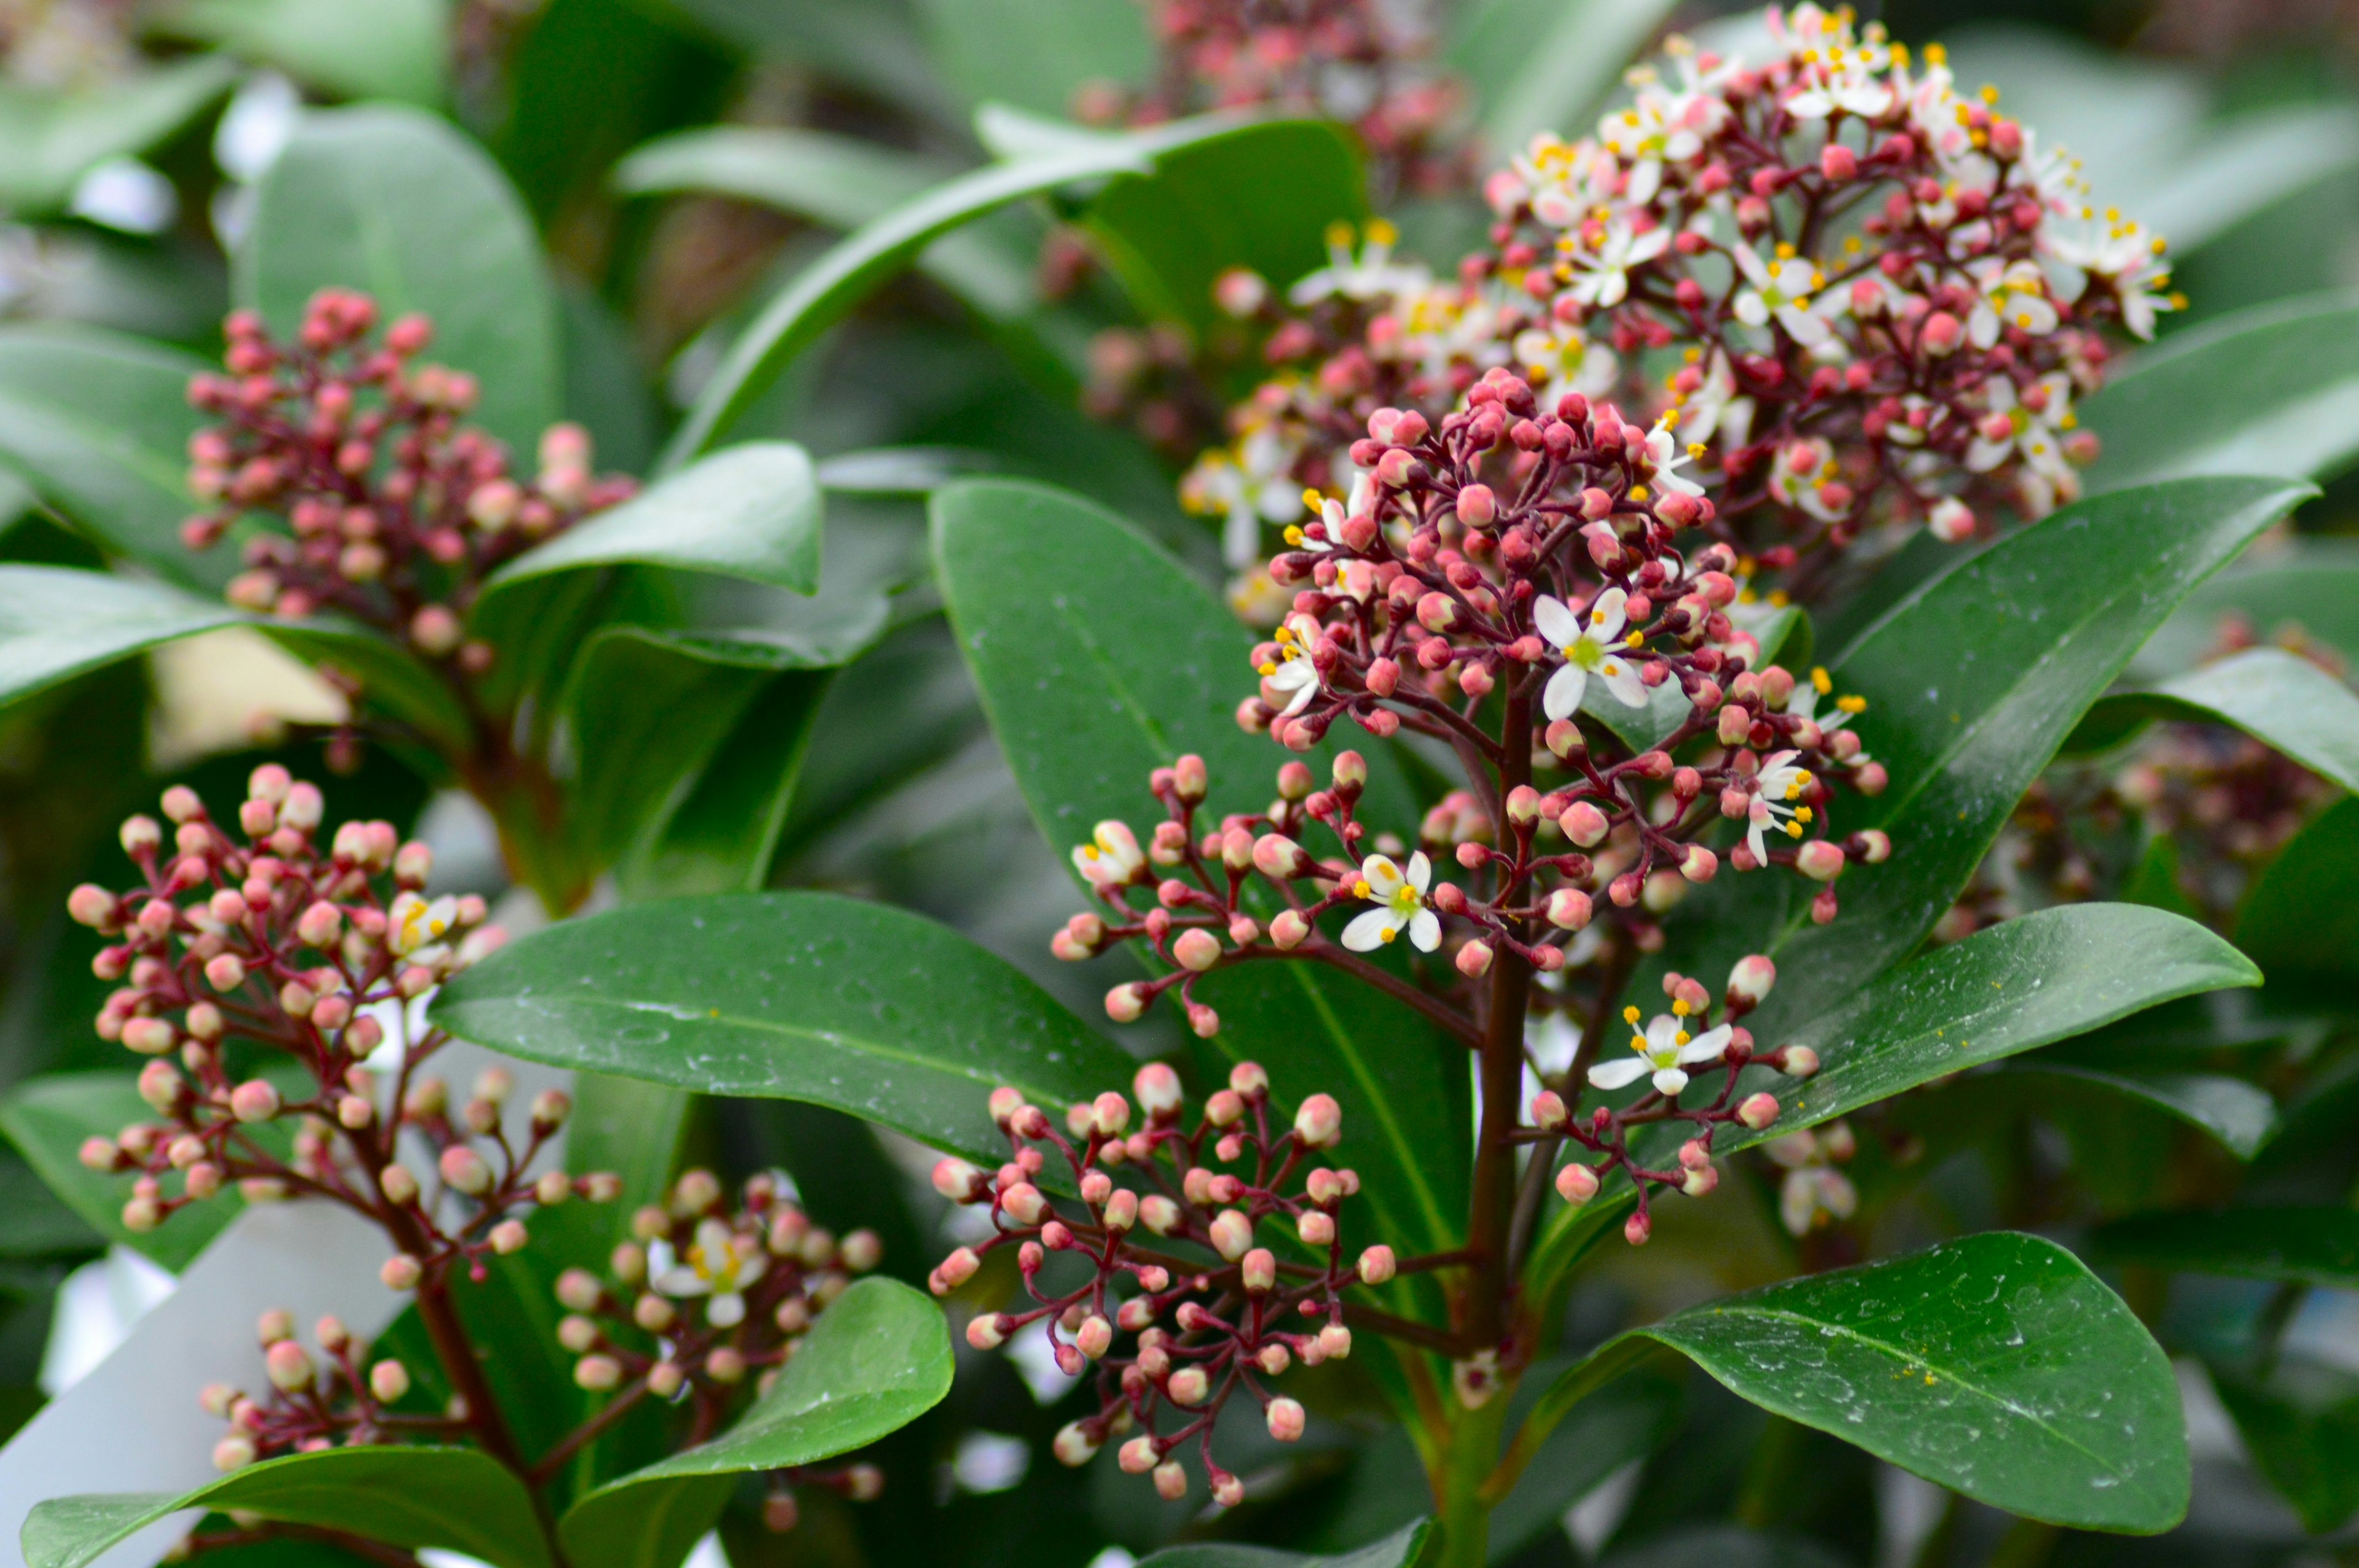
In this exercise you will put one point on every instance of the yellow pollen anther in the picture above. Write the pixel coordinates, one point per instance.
(1690, 355)
(1338, 233)
(1820, 679)
(1269, 668)
(1380, 233)
(1360, 888)
(1680, 1008)
(1852, 703)
(1635, 640)
(1629, 1015)
(1793, 830)
(1801, 814)
(1695, 449)
(1785, 250)
(1680, 1038)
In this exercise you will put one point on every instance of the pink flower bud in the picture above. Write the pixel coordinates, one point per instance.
(1170, 1481)
(1137, 1456)
(1335, 1341)
(161, 1086)
(1120, 1209)
(465, 1170)
(598, 1374)
(1549, 1112)
(1278, 857)
(1477, 506)
(1576, 1183)
(289, 1366)
(1941, 333)
(1377, 1265)
(1950, 521)
(388, 1381)
(1285, 1417)
(1232, 1234)
(1094, 1338)
(1288, 929)
(1637, 1229)
(1700, 864)
(1024, 1204)
(1160, 1214)
(1158, 1091)
(1187, 1386)
(1258, 1270)
(1202, 1021)
(955, 1271)
(99, 1153)
(1074, 1444)
(233, 1453)
(1820, 860)
(398, 1185)
(1584, 824)
(508, 1236)
(1757, 1111)
(1875, 845)
(956, 1180)
(1319, 1123)
(1795, 1061)
(400, 1272)
(1196, 948)
(256, 1099)
(1126, 1002)
(1474, 959)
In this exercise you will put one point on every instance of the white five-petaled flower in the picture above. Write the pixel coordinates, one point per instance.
(2035, 422)
(1587, 644)
(1778, 783)
(1663, 454)
(1781, 289)
(2012, 295)
(1559, 357)
(1665, 1050)
(1248, 486)
(1110, 858)
(412, 922)
(1292, 674)
(721, 1263)
(1845, 80)
(1370, 274)
(1400, 898)
(1804, 704)
(1601, 277)
(1716, 408)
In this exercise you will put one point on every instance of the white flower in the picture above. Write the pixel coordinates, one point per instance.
(1332, 514)
(1602, 277)
(2034, 423)
(1400, 902)
(2128, 259)
(1804, 704)
(1587, 650)
(1292, 674)
(1782, 291)
(1663, 455)
(1110, 858)
(1559, 359)
(2012, 295)
(1812, 1195)
(1371, 274)
(1716, 408)
(721, 1264)
(412, 922)
(1778, 782)
(1663, 1050)
(1248, 486)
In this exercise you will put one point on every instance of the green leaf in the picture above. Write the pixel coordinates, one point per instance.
(1099, 660)
(1971, 682)
(841, 181)
(100, 424)
(1545, 65)
(752, 511)
(2273, 389)
(1398, 1550)
(2011, 987)
(1036, 53)
(2241, 1116)
(1996, 1365)
(1261, 197)
(49, 138)
(386, 49)
(866, 43)
(723, 835)
(2305, 586)
(397, 202)
(56, 622)
(878, 1358)
(2299, 914)
(2280, 698)
(2301, 1427)
(2307, 1246)
(452, 1498)
(48, 1118)
(801, 996)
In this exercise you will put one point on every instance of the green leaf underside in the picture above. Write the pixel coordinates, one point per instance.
(452, 1498)
(1099, 660)
(2278, 699)
(751, 512)
(2266, 391)
(2308, 1246)
(1996, 1365)
(395, 201)
(1398, 1550)
(797, 996)
(2240, 1116)
(877, 1358)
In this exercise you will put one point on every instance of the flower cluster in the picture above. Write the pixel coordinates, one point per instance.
(1193, 1330)
(1853, 297)
(394, 510)
(315, 1403)
(268, 982)
(708, 1293)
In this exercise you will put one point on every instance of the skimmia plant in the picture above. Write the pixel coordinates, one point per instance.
(1655, 781)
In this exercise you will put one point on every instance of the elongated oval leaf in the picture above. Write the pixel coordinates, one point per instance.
(1099, 660)
(1996, 1365)
(397, 202)
(2240, 1116)
(2278, 699)
(752, 511)
(2299, 1421)
(1400, 1550)
(2307, 585)
(56, 622)
(2308, 1246)
(797, 996)
(841, 181)
(455, 1498)
(2273, 389)
(2300, 913)
(878, 1358)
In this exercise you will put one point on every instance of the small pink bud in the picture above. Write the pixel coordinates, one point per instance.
(465, 1170)
(1137, 1456)
(1796, 1061)
(1160, 1214)
(984, 1332)
(1074, 1444)
(1477, 506)
(1158, 1091)
(1319, 1123)
(1170, 1481)
(1196, 948)
(1258, 1270)
(1377, 1265)
(1637, 1229)
(956, 1180)
(1584, 824)
(233, 1453)
(1288, 929)
(1124, 1003)
(1024, 1204)
(1335, 1341)
(1232, 1234)
(1285, 1417)
(289, 1366)
(1700, 864)
(955, 1271)
(1187, 1386)
(1549, 1112)
(1474, 959)
(1820, 860)
(389, 1380)
(256, 1099)
(1757, 1111)
(401, 1272)
(598, 1374)
(1576, 1183)
(508, 1236)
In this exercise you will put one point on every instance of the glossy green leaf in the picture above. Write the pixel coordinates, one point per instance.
(1099, 660)
(1398, 1550)
(50, 137)
(455, 1498)
(2305, 586)
(2307, 1246)
(48, 1119)
(751, 512)
(399, 203)
(1545, 65)
(878, 1358)
(1972, 683)
(2013, 987)
(2280, 699)
(2300, 1426)
(722, 834)
(2299, 914)
(56, 622)
(1260, 197)
(841, 181)
(99, 425)
(801, 996)
(1036, 53)
(1996, 1365)
(2273, 389)
(2240, 1116)
(866, 43)
(385, 48)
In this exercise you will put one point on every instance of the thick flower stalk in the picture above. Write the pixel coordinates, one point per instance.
(1121, 1280)
(1855, 298)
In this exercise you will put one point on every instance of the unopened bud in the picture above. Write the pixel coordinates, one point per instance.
(1576, 1183)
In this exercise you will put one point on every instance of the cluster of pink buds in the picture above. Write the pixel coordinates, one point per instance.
(1879, 299)
(1668, 1051)
(265, 952)
(396, 511)
(1173, 1337)
(326, 1400)
(709, 1292)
